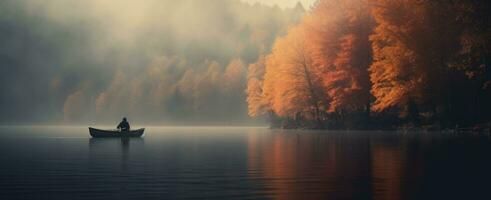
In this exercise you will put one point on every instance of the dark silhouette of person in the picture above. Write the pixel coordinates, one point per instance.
(124, 125)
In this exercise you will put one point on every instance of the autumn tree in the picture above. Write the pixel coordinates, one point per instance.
(395, 75)
(292, 84)
(321, 64)
(338, 33)
(235, 77)
(256, 102)
(412, 46)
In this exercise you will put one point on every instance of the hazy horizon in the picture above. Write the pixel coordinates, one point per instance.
(68, 61)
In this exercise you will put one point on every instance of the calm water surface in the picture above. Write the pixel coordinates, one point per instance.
(242, 163)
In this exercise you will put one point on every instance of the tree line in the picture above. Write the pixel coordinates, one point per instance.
(378, 64)
(168, 90)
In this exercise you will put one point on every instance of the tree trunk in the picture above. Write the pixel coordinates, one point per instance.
(313, 97)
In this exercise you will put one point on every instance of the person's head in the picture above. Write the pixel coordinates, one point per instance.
(124, 118)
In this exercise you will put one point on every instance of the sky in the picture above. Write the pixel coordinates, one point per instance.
(285, 3)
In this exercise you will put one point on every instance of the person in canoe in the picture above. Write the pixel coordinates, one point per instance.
(124, 125)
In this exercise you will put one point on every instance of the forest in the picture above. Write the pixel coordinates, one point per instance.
(351, 64)
(378, 64)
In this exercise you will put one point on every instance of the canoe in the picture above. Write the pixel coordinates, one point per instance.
(115, 133)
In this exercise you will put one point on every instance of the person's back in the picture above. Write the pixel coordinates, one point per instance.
(124, 125)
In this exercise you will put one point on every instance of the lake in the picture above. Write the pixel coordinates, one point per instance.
(50, 162)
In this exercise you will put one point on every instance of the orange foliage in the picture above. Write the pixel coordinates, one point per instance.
(394, 72)
(348, 56)
(320, 65)
(292, 84)
(411, 47)
(340, 45)
(255, 99)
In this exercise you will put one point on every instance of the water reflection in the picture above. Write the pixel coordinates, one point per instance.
(112, 148)
(386, 164)
(311, 166)
(334, 165)
(123, 143)
(353, 165)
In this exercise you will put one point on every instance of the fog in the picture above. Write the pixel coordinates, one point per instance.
(153, 61)
(284, 3)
